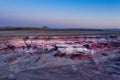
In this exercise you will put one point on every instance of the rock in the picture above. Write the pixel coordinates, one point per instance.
(5, 74)
(3, 45)
(10, 77)
(54, 53)
(90, 56)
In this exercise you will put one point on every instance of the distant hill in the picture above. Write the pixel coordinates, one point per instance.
(23, 28)
(54, 29)
(46, 28)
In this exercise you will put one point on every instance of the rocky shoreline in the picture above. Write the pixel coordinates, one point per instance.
(20, 55)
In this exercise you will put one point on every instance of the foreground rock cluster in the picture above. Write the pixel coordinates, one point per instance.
(89, 57)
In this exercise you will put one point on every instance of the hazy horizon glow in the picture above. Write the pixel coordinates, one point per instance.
(61, 13)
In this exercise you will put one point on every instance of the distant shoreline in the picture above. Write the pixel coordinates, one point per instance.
(17, 33)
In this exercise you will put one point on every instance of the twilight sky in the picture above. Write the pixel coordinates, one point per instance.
(61, 13)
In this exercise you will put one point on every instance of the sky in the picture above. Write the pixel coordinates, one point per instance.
(60, 13)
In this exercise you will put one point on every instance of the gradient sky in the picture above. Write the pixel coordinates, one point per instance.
(61, 13)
